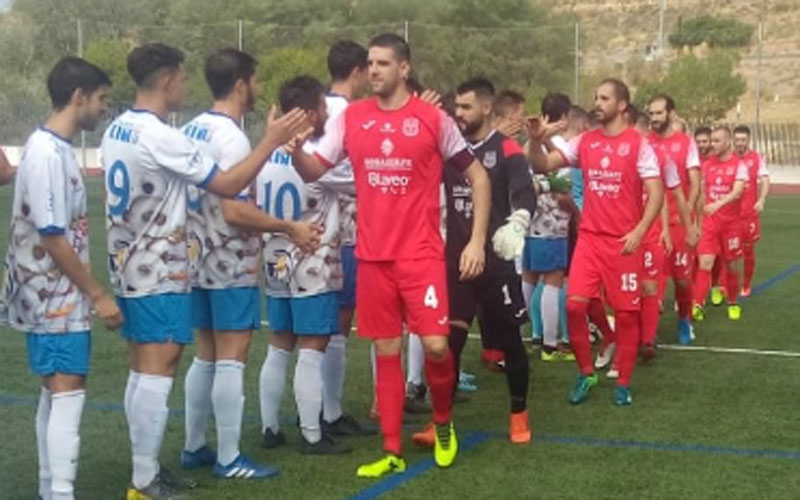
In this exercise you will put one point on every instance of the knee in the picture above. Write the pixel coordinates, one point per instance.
(436, 348)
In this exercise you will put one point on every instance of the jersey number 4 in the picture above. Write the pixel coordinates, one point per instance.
(431, 300)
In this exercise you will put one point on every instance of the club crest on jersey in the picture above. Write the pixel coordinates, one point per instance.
(624, 149)
(387, 147)
(387, 128)
(410, 127)
(605, 162)
(490, 159)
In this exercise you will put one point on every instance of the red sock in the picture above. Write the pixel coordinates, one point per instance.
(597, 315)
(579, 334)
(627, 323)
(391, 396)
(749, 265)
(683, 296)
(732, 286)
(649, 318)
(701, 285)
(441, 380)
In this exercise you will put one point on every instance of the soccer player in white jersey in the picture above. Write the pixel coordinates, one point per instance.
(48, 289)
(302, 289)
(347, 65)
(225, 247)
(148, 167)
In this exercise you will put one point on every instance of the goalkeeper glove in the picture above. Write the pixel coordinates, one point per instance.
(509, 239)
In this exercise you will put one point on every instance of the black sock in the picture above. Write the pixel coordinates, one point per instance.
(517, 374)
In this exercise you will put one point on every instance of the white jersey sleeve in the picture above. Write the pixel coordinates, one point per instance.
(741, 172)
(569, 150)
(762, 166)
(672, 178)
(176, 153)
(45, 182)
(330, 148)
(647, 162)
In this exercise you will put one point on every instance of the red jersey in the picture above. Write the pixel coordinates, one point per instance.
(718, 178)
(613, 170)
(398, 157)
(681, 150)
(756, 168)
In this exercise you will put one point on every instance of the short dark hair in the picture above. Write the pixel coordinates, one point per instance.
(578, 113)
(506, 100)
(301, 92)
(669, 101)
(621, 91)
(555, 106)
(395, 42)
(742, 129)
(633, 114)
(702, 130)
(414, 85)
(481, 86)
(225, 67)
(73, 73)
(145, 61)
(343, 57)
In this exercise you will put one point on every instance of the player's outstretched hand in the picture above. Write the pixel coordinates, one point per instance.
(509, 239)
(431, 97)
(510, 127)
(473, 260)
(632, 241)
(306, 235)
(296, 143)
(282, 130)
(106, 309)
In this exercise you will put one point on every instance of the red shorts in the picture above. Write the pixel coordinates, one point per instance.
(653, 260)
(751, 229)
(599, 265)
(721, 240)
(679, 264)
(387, 293)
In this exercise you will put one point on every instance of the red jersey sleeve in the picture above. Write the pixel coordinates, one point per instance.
(330, 149)
(452, 145)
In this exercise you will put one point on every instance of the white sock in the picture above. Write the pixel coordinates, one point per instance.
(550, 315)
(228, 397)
(63, 441)
(527, 292)
(308, 392)
(197, 401)
(416, 359)
(334, 365)
(133, 379)
(42, 419)
(147, 423)
(270, 387)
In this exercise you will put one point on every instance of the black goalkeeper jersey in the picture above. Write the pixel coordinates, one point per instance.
(512, 189)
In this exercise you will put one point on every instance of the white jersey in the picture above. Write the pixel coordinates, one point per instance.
(148, 167)
(550, 220)
(49, 199)
(221, 256)
(282, 193)
(344, 169)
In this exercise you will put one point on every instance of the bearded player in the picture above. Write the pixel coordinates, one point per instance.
(619, 168)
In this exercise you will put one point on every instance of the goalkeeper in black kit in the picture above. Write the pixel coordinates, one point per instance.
(495, 297)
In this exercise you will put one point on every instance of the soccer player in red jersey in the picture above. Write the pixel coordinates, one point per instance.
(676, 149)
(619, 166)
(723, 178)
(398, 144)
(702, 136)
(753, 199)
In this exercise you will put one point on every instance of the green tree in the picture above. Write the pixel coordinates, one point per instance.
(715, 31)
(111, 55)
(703, 89)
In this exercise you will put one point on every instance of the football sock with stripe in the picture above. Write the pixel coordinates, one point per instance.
(227, 396)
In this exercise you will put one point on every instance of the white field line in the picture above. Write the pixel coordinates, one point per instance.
(689, 348)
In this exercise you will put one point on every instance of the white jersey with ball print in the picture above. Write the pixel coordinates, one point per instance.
(148, 168)
(336, 104)
(49, 199)
(220, 256)
(282, 193)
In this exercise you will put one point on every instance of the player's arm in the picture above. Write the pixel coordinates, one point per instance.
(763, 185)
(692, 234)
(247, 216)
(665, 236)
(655, 199)
(67, 261)
(473, 258)
(6, 172)
(279, 131)
(693, 168)
(330, 149)
(542, 159)
(733, 195)
(509, 239)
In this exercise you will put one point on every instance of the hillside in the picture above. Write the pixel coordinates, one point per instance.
(616, 35)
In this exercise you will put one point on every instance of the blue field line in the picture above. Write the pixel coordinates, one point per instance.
(778, 278)
(392, 482)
